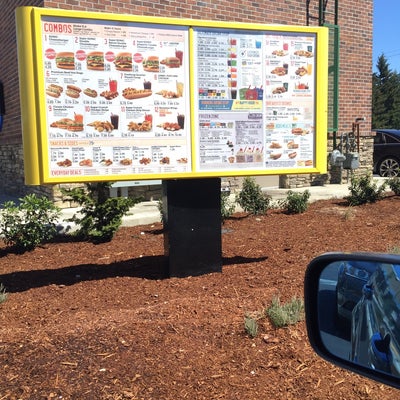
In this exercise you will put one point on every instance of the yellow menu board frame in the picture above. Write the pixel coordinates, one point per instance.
(203, 147)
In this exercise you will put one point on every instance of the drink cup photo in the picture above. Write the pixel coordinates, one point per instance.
(113, 85)
(147, 85)
(179, 54)
(114, 121)
(179, 89)
(78, 118)
(286, 67)
(181, 120)
(233, 94)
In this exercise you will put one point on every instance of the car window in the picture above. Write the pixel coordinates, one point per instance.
(390, 139)
(397, 271)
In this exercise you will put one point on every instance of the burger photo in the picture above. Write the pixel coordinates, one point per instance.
(65, 60)
(95, 61)
(151, 64)
(123, 62)
(171, 62)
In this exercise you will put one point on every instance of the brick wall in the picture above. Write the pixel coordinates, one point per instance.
(355, 21)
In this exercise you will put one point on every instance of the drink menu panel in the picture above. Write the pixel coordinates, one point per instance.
(117, 98)
(255, 93)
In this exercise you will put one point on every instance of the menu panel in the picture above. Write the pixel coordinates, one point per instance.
(255, 93)
(117, 97)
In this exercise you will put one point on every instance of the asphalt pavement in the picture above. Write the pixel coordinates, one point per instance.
(147, 212)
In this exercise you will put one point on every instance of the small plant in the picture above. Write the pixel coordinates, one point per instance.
(251, 198)
(394, 184)
(349, 214)
(101, 216)
(394, 250)
(227, 206)
(285, 314)
(29, 224)
(160, 208)
(295, 203)
(3, 294)
(364, 190)
(250, 325)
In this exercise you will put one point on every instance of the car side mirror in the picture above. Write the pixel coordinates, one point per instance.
(352, 306)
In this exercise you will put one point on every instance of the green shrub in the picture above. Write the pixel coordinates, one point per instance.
(394, 184)
(250, 325)
(29, 224)
(393, 250)
(160, 208)
(295, 203)
(3, 294)
(285, 314)
(227, 207)
(251, 198)
(100, 216)
(364, 190)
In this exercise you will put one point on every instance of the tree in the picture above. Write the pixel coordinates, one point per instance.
(385, 96)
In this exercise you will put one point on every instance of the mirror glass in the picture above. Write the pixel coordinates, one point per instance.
(359, 313)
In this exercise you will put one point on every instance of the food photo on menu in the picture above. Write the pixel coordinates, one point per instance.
(123, 62)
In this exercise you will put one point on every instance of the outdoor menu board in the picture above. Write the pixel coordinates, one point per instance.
(129, 98)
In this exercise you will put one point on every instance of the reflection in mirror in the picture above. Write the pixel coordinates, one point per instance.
(359, 313)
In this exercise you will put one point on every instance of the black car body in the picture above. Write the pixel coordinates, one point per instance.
(375, 336)
(387, 152)
(352, 276)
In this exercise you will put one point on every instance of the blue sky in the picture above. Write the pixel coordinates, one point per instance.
(386, 36)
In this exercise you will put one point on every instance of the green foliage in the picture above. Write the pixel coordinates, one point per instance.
(29, 224)
(364, 190)
(250, 325)
(295, 203)
(160, 208)
(227, 207)
(279, 314)
(3, 294)
(349, 214)
(285, 314)
(394, 184)
(100, 216)
(251, 198)
(385, 96)
(393, 250)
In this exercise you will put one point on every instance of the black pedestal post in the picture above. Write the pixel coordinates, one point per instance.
(192, 226)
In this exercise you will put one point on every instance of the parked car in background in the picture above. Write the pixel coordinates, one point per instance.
(352, 277)
(387, 152)
(375, 336)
